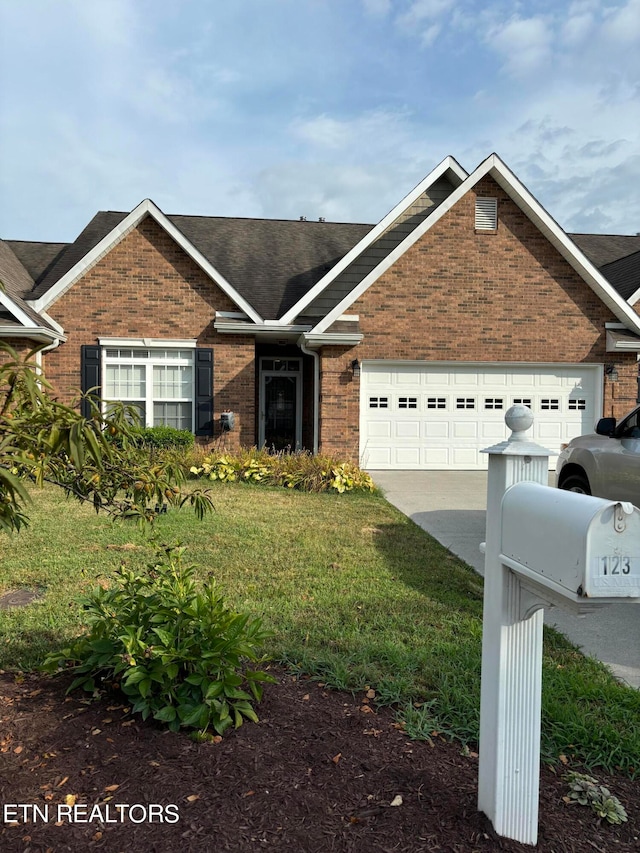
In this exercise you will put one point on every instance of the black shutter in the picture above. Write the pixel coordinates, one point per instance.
(90, 373)
(204, 392)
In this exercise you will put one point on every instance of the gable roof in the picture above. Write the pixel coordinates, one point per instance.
(305, 272)
(494, 167)
(271, 263)
(75, 268)
(448, 167)
(15, 312)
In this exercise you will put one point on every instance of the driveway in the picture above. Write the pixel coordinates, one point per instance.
(451, 506)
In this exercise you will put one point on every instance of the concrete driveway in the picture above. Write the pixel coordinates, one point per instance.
(451, 506)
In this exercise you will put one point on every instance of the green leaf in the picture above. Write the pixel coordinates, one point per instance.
(166, 714)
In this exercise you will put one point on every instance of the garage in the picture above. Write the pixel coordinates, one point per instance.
(431, 416)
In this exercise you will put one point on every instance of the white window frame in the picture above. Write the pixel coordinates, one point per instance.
(151, 345)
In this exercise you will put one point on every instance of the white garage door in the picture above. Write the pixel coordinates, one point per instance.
(438, 416)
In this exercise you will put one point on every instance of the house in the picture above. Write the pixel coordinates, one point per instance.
(402, 344)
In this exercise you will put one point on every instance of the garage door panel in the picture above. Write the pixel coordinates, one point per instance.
(408, 429)
(408, 457)
(379, 429)
(437, 429)
(465, 430)
(441, 416)
(549, 431)
(377, 457)
(437, 458)
(464, 457)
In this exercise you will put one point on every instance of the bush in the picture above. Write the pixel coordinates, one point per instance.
(300, 470)
(166, 437)
(176, 652)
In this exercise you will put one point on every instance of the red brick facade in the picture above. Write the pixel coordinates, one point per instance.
(147, 286)
(458, 295)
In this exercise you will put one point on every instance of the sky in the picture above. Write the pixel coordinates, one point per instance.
(316, 108)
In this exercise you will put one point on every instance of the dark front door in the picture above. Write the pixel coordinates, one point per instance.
(280, 411)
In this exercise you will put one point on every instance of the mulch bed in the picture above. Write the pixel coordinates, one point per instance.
(319, 773)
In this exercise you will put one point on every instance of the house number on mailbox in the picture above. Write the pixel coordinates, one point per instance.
(615, 564)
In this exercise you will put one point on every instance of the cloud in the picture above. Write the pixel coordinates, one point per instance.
(524, 44)
(622, 24)
(377, 8)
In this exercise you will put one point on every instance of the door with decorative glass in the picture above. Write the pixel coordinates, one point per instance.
(280, 404)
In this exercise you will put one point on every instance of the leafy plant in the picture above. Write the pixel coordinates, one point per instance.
(585, 790)
(99, 459)
(176, 651)
(301, 471)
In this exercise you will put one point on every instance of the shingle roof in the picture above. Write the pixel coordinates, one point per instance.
(603, 249)
(624, 274)
(270, 262)
(17, 282)
(36, 258)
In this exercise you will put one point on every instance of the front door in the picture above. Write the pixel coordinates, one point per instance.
(280, 404)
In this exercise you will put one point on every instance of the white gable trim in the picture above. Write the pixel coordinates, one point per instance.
(17, 312)
(448, 164)
(495, 167)
(634, 297)
(145, 208)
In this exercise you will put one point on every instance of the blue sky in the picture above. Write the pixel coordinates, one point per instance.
(334, 108)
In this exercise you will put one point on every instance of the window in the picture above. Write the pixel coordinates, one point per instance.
(523, 401)
(378, 402)
(494, 403)
(158, 383)
(549, 404)
(577, 405)
(436, 402)
(465, 403)
(407, 402)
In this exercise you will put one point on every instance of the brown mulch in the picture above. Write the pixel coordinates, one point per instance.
(318, 773)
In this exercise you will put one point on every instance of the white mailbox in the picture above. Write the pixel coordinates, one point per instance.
(579, 548)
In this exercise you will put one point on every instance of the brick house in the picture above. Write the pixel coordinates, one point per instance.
(402, 344)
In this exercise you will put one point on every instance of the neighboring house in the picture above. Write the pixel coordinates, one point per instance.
(402, 344)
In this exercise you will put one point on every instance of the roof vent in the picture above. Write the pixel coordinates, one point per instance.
(486, 214)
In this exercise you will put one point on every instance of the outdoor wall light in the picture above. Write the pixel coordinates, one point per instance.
(355, 368)
(611, 372)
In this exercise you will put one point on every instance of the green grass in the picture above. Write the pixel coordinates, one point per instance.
(355, 592)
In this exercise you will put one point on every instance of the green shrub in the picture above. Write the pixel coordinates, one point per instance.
(176, 652)
(299, 470)
(166, 437)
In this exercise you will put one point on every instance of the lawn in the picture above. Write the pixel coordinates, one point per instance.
(355, 593)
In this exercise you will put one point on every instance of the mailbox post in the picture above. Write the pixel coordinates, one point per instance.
(510, 694)
(544, 547)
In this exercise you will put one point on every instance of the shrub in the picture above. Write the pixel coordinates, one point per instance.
(300, 470)
(175, 651)
(166, 437)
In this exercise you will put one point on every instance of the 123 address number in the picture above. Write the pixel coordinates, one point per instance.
(615, 565)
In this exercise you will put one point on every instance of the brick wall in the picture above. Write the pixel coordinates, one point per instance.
(146, 286)
(458, 295)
